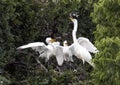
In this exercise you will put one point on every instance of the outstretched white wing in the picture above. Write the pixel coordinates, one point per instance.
(59, 55)
(37, 46)
(32, 45)
(68, 53)
(71, 47)
(40, 47)
(87, 44)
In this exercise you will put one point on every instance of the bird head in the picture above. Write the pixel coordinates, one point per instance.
(50, 40)
(74, 15)
(73, 19)
(65, 43)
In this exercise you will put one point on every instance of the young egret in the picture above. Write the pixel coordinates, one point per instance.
(67, 52)
(80, 51)
(52, 49)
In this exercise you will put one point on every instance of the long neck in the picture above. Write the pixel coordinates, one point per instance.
(74, 31)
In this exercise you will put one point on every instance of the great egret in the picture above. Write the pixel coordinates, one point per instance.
(80, 51)
(67, 52)
(52, 49)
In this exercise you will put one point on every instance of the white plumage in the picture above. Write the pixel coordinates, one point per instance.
(52, 49)
(80, 50)
(67, 52)
(87, 44)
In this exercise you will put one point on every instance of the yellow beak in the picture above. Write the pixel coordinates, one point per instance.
(71, 18)
(53, 40)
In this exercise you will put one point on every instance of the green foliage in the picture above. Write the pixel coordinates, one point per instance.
(107, 13)
(102, 31)
(107, 35)
(107, 62)
(107, 16)
(4, 81)
(25, 21)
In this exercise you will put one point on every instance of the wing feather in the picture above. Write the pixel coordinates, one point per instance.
(32, 45)
(37, 46)
(71, 48)
(68, 53)
(87, 44)
(59, 55)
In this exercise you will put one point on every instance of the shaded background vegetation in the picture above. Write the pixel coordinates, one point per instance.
(25, 21)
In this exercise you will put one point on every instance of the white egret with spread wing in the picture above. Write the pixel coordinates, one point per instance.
(80, 51)
(52, 49)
